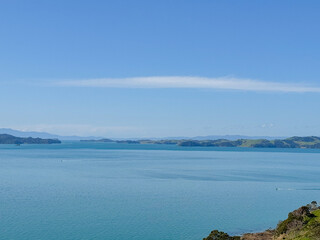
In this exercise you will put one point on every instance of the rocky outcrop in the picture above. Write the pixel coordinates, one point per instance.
(267, 235)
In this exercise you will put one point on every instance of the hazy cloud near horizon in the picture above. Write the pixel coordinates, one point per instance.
(222, 83)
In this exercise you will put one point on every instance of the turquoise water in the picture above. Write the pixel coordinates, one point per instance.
(145, 192)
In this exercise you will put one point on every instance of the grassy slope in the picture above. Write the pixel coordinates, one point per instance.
(250, 142)
(299, 141)
(301, 224)
(310, 231)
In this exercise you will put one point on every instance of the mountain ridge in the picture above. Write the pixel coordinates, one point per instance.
(20, 133)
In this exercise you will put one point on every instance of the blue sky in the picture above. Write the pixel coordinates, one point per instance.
(160, 68)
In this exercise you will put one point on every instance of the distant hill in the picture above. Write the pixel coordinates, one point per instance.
(293, 142)
(208, 137)
(9, 139)
(41, 135)
(77, 138)
(233, 137)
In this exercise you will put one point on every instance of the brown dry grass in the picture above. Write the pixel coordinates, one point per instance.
(267, 235)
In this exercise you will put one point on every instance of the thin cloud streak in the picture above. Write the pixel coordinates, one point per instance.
(223, 83)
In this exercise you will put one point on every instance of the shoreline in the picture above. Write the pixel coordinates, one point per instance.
(302, 223)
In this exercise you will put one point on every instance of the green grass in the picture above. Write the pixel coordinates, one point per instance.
(310, 231)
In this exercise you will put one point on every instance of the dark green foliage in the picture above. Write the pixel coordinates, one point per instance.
(301, 224)
(9, 139)
(290, 143)
(264, 144)
(295, 221)
(217, 235)
(189, 143)
(305, 139)
(317, 145)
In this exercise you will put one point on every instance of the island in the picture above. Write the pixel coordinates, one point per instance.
(301, 224)
(292, 142)
(9, 139)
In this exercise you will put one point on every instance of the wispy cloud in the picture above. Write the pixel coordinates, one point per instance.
(224, 83)
(267, 125)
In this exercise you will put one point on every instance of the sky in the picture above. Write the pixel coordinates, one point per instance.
(149, 68)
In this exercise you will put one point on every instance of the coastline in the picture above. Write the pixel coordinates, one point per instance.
(301, 224)
(310, 142)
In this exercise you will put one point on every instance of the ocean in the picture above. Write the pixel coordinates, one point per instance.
(81, 190)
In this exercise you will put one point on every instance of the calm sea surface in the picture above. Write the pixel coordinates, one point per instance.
(149, 192)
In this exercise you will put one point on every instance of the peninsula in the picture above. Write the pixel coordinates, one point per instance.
(9, 139)
(292, 142)
(301, 224)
